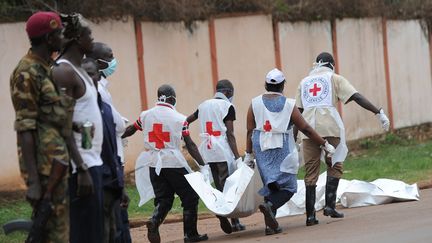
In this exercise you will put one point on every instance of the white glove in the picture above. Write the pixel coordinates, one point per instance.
(328, 148)
(237, 162)
(385, 122)
(249, 160)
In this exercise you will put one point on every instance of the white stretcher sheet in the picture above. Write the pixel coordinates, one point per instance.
(240, 198)
(352, 194)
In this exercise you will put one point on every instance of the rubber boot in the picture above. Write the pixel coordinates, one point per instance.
(225, 224)
(236, 225)
(153, 224)
(190, 219)
(330, 198)
(310, 206)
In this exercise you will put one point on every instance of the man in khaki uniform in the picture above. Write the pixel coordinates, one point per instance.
(43, 125)
(316, 97)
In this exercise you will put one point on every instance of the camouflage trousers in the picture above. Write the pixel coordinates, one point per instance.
(57, 227)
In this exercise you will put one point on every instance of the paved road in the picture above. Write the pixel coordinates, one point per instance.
(395, 222)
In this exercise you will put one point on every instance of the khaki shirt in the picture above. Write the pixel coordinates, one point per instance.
(326, 126)
(40, 107)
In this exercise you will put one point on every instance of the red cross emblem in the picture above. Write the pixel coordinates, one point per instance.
(158, 137)
(267, 126)
(315, 89)
(209, 129)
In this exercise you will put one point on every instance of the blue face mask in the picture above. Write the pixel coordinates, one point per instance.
(112, 66)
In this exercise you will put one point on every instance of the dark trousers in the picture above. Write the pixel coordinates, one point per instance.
(110, 201)
(168, 182)
(122, 223)
(86, 213)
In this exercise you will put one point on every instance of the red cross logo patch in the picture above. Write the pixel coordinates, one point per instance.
(267, 126)
(158, 137)
(315, 89)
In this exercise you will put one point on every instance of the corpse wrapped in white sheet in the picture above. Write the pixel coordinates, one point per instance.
(240, 196)
(351, 194)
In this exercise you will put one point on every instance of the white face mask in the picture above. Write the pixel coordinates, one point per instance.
(163, 99)
(112, 66)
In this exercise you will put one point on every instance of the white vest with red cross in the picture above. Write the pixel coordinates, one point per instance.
(162, 127)
(273, 125)
(214, 146)
(316, 91)
(316, 95)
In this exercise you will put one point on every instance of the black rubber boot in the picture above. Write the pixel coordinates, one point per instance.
(236, 225)
(225, 224)
(310, 206)
(330, 198)
(190, 219)
(153, 224)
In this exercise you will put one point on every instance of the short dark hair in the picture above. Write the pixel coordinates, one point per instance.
(326, 57)
(166, 90)
(275, 87)
(223, 85)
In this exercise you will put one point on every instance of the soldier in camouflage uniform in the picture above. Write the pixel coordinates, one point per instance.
(43, 121)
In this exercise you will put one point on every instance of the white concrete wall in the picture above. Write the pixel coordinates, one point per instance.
(245, 53)
(173, 55)
(361, 61)
(300, 43)
(13, 46)
(410, 73)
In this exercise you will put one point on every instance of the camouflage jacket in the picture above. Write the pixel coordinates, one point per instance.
(42, 108)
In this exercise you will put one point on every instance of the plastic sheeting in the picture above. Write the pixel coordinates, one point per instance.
(352, 194)
(240, 196)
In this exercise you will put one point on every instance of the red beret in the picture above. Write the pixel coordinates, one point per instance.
(42, 23)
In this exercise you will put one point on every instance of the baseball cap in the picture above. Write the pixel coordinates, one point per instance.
(275, 76)
(42, 23)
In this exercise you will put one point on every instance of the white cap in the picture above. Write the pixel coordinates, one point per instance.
(275, 76)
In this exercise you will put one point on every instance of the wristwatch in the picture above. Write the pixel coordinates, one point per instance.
(83, 167)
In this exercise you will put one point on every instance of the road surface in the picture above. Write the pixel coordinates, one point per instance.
(395, 222)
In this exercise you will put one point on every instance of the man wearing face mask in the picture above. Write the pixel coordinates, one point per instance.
(219, 148)
(164, 129)
(107, 65)
(316, 98)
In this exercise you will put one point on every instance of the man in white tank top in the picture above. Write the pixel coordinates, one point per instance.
(164, 129)
(317, 96)
(219, 147)
(86, 213)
